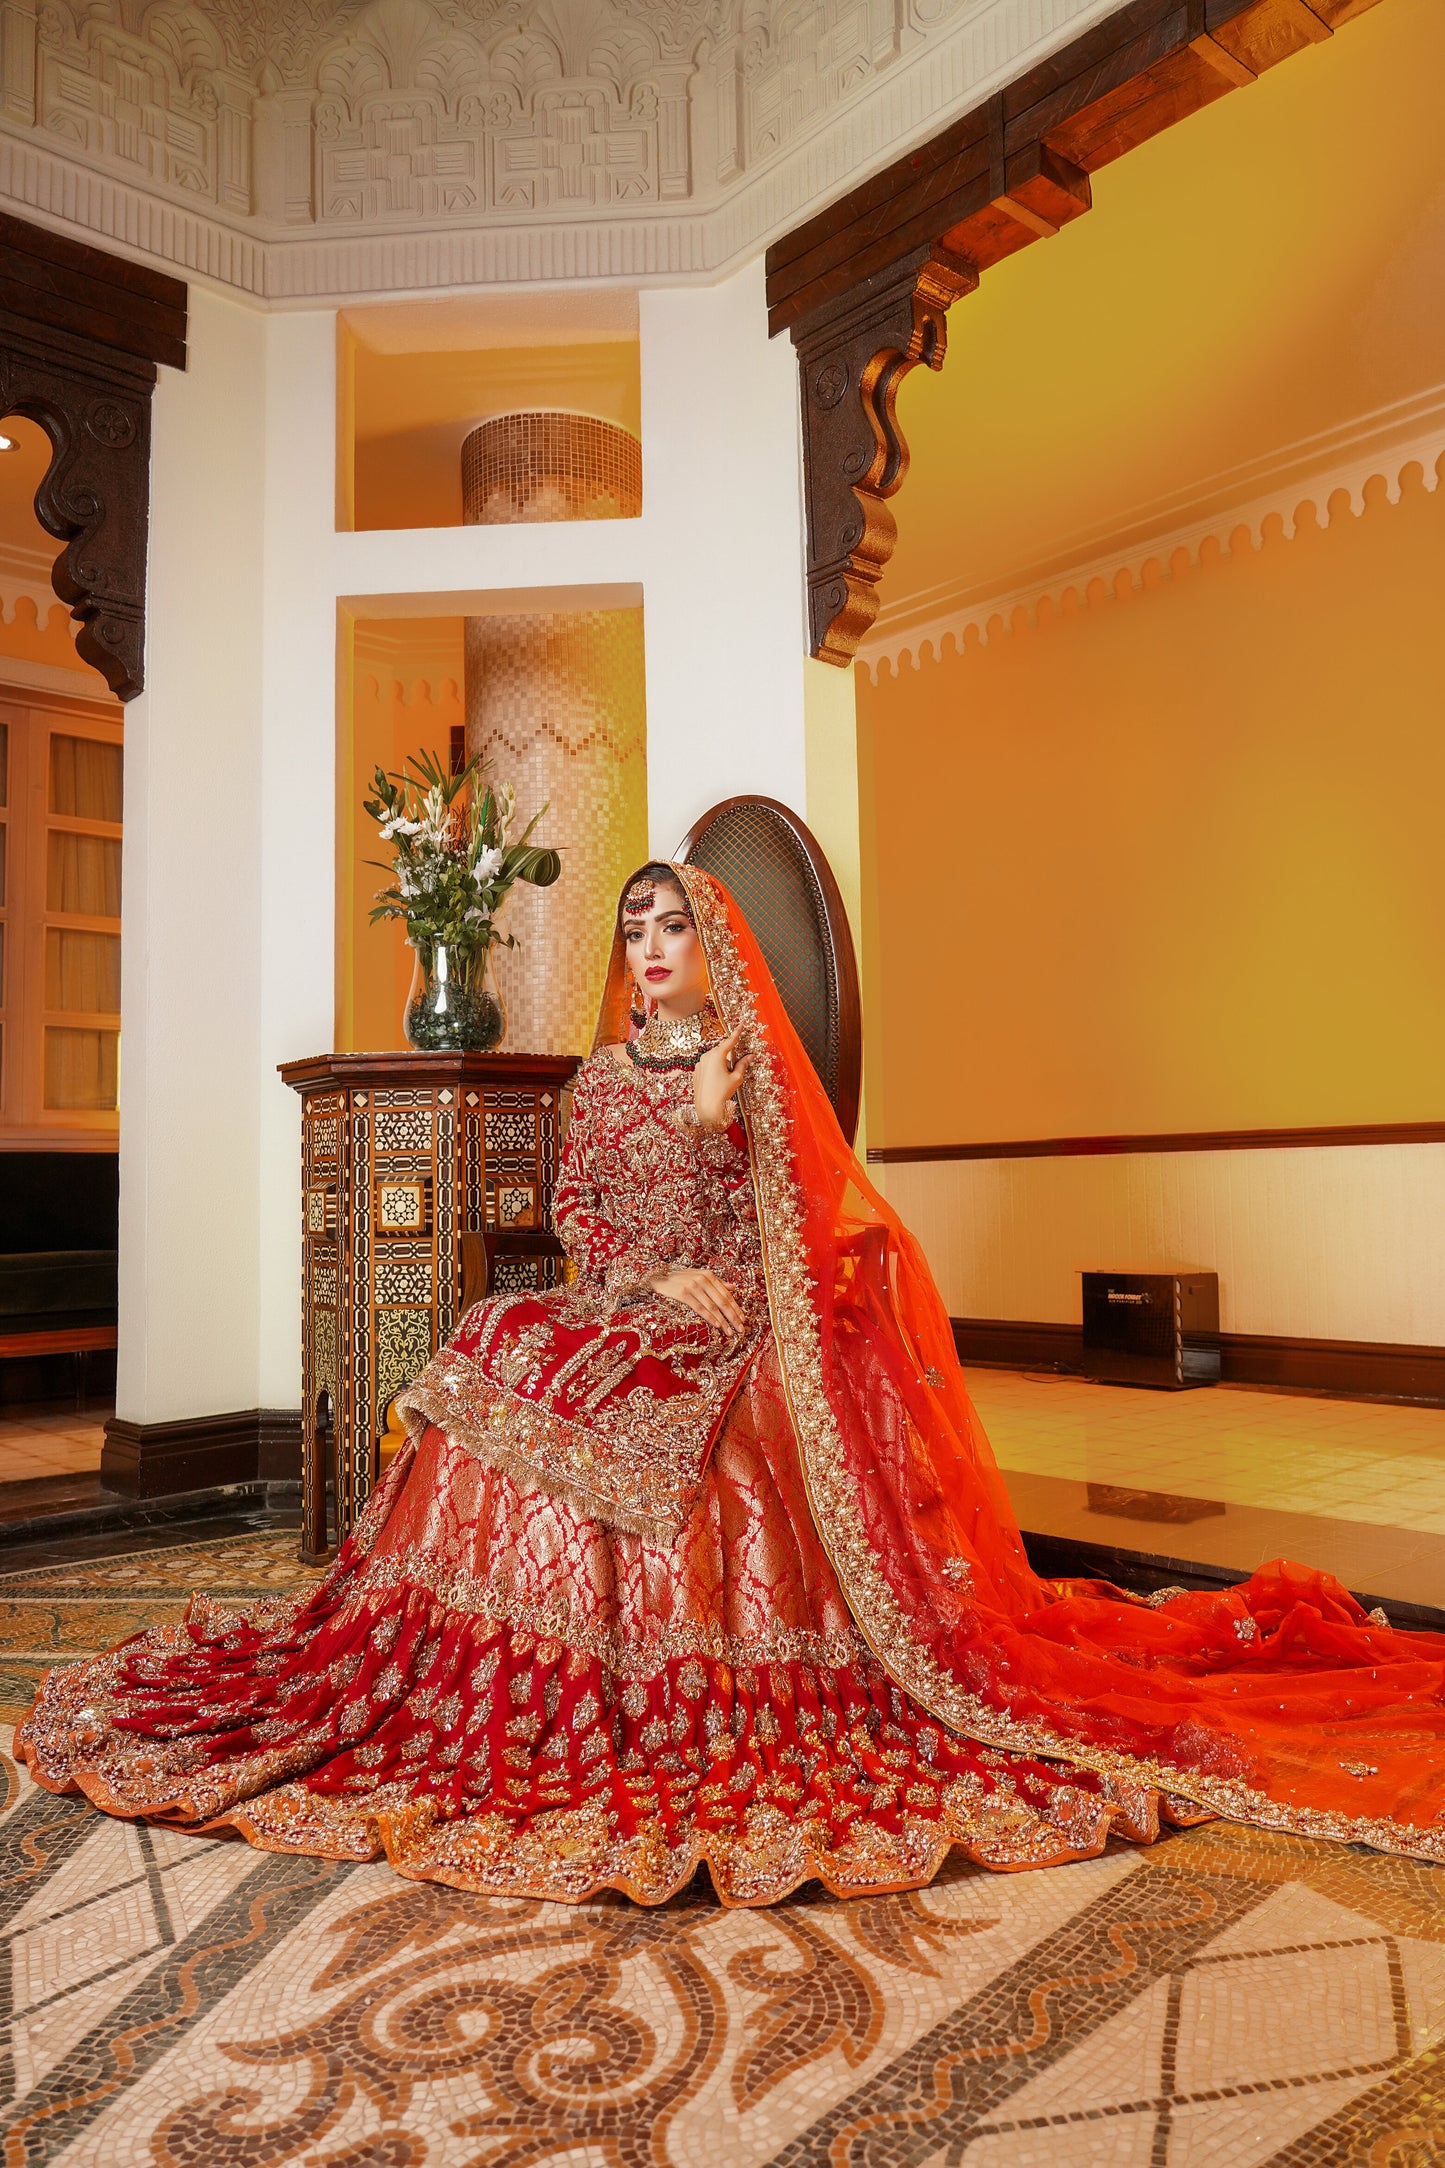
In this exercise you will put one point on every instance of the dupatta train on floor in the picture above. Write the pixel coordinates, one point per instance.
(1280, 1701)
(636, 1597)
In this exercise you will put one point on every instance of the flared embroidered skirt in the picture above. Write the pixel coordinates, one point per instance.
(501, 1694)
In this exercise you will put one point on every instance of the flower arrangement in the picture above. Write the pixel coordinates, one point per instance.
(451, 870)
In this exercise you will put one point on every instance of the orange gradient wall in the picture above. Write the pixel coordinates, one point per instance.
(26, 638)
(1172, 860)
(406, 698)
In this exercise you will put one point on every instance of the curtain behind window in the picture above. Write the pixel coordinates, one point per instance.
(85, 779)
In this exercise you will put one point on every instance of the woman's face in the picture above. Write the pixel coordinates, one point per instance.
(664, 953)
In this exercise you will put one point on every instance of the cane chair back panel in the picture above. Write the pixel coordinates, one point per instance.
(771, 862)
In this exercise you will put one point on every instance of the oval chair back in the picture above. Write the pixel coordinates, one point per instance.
(773, 865)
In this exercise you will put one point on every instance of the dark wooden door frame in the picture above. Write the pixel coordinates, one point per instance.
(865, 286)
(81, 335)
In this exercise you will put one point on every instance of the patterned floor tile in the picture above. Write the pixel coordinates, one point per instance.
(1229, 1998)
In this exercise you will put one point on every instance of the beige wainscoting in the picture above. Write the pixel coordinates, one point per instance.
(1341, 1242)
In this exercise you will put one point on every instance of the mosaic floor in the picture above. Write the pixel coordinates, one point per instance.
(1228, 1999)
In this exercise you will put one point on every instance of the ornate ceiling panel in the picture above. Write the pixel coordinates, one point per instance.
(326, 148)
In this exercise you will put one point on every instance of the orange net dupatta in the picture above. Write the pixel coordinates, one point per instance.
(1279, 1701)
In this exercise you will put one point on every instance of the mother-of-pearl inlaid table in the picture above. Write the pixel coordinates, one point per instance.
(421, 1175)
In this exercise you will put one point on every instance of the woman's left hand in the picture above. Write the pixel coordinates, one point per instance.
(715, 1081)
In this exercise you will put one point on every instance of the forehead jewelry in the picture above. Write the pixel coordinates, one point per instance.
(639, 897)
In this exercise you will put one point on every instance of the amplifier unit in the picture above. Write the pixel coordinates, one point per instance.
(1152, 1328)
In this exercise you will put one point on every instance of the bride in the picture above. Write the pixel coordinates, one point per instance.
(703, 1559)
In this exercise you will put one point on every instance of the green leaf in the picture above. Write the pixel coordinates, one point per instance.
(539, 865)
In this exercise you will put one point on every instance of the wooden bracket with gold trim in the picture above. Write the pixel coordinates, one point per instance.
(852, 357)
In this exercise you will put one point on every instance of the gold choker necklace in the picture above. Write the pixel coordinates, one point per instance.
(676, 1042)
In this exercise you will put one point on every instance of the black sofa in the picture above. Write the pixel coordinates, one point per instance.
(58, 1215)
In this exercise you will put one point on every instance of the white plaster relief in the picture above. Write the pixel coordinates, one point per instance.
(25, 571)
(1381, 445)
(303, 149)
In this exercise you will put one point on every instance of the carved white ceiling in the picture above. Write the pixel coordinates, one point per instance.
(327, 149)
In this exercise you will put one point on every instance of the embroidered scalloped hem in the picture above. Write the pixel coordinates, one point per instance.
(570, 1856)
(477, 1755)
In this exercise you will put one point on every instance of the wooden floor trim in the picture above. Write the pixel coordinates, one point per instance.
(152, 1460)
(1172, 1140)
(1368, 1369)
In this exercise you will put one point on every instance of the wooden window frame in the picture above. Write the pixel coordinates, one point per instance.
(35, 718)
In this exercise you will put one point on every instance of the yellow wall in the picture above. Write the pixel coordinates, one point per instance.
(407, 415)
(1168, 860)
(1266, 273)
(1171, 861)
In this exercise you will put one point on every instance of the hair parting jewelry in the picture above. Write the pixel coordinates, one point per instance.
(641, 893)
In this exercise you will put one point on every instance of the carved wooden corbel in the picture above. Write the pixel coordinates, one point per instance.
(853, 355)
(96, 413)
(81, 335)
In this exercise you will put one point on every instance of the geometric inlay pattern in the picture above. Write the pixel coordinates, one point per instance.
(1229, 1998)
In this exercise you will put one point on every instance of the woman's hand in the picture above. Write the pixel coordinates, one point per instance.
(705, 1294)
(715, 1081)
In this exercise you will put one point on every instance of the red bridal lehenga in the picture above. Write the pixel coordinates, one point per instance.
(635, 1596)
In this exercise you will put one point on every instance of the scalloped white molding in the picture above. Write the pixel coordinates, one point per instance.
(25, 570)
(1314, 470)
(326, 150)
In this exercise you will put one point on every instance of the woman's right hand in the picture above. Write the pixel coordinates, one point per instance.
(715, 1081)
(705, 1294)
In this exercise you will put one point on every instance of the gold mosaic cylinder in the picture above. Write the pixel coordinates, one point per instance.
(556, 707)
(536, 466)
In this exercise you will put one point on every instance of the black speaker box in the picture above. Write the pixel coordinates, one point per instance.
(1152, 1328)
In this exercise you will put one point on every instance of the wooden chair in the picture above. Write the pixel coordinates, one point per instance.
(771, 862)
(481, 1251)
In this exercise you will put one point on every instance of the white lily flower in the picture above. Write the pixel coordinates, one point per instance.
(488, 865)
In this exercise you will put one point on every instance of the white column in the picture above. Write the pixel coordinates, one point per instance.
(722, 517)
(191, 962)
(298, 779)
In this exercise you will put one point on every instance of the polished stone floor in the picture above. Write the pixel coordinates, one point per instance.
(1225, 1999)
(1226, 1477)
(50, 1438)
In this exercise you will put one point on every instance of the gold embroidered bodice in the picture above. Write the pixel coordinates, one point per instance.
(605, 1391)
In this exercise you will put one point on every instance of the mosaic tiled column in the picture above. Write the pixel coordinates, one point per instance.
(555, 705)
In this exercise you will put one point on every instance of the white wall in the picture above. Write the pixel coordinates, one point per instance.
(230, 902)
(723, 578)
(1341, 1242)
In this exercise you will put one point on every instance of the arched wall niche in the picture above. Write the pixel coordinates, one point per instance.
(81, 336)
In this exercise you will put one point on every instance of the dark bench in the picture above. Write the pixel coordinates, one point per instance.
(58, 1215)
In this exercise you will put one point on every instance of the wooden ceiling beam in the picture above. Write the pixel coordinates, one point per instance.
(883, 263)
(48, 280)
